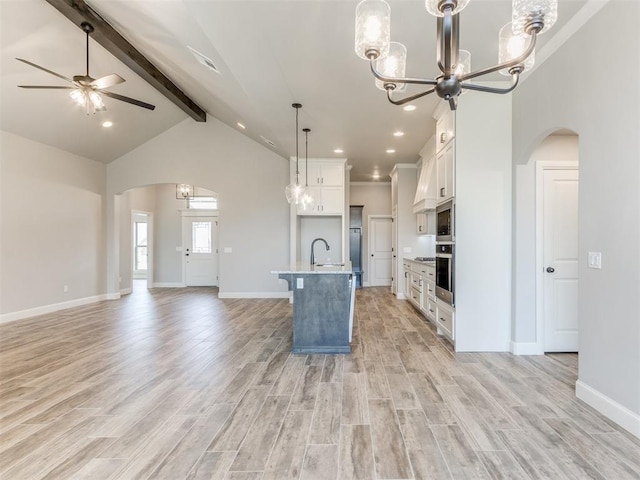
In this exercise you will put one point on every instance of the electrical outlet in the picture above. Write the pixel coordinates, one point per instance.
(299, 283)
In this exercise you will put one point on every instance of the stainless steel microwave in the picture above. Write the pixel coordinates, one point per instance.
(445, 222)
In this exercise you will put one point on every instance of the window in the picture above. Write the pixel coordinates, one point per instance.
(203, 203)
(201, 237)
(140, 246)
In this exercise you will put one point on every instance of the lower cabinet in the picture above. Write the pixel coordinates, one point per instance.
(445, 317)
(420, 290)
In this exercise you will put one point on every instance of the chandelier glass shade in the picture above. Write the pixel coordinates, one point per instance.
(388, 59)
(294, 191)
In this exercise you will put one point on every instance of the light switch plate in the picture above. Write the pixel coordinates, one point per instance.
(594, 260)
(228, 250)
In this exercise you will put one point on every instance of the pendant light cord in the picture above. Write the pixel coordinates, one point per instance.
(297, 107)
(87, 53)
(306, 156)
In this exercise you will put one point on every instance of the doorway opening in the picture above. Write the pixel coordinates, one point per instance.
(557, 254)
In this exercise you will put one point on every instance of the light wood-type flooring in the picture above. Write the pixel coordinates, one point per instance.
(176, 384)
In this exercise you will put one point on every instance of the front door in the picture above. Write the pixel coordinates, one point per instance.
(380, 251)
(201, 251)
(560, 255)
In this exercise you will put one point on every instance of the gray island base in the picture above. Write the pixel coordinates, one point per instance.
(323, 300)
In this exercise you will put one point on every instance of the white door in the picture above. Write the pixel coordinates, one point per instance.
(394, 254)
(200, 251)
(380, 251)
(560, 256)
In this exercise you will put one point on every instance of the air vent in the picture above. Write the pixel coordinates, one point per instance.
(268, 142)
(207, 62)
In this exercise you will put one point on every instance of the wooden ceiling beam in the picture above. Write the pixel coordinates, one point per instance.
(78, 11)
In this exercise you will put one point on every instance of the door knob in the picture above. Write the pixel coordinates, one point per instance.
(551, 269)
(372, 254)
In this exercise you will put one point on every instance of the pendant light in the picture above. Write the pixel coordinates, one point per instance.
(307, 201)
(294, 190)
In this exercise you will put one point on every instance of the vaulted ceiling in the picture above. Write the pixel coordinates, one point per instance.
(269, 54)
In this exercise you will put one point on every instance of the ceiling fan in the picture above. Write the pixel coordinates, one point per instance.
(85, 90)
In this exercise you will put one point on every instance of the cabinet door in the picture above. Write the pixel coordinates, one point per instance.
(421, 223)
(332, 201)
(332, 175)
(445, 166)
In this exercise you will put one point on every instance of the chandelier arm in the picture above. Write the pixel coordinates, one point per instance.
(382, 78)
(481, 88)
(505, 65)
(408, 99)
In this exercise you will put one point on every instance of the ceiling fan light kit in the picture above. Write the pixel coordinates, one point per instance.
(85, 90)
(387, 59)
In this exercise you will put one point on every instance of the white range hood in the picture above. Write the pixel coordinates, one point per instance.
(426, 196)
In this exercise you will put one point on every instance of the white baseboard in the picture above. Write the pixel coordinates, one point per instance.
(55, 307)
(113, 296)
(401, 296)
(125, 291)
(366, 284)
(611, 409)
(525, 348)
(253, 294)
(169, 285)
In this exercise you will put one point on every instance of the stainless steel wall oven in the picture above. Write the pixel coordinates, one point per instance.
(445, 272)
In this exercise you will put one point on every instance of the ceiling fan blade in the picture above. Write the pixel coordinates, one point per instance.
(107, 81)
(133, 101)
(45, 70)
(57, 87)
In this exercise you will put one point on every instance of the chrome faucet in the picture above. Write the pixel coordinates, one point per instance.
(313, 258)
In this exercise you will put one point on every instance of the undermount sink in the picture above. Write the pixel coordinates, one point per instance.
(328, 265)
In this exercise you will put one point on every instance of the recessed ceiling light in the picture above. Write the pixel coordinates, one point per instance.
(338, 150)
(107, 124)
(391, 150)
(409, 108)
(376, 176)
(241, 125)
(398, 134)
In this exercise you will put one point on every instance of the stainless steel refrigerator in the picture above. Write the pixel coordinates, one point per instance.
(355, 242)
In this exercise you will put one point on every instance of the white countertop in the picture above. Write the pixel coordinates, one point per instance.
(430, 262)
(305, 267)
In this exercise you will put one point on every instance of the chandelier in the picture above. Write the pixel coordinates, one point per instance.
(517, 41)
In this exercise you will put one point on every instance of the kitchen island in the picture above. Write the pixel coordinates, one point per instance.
(323, 301)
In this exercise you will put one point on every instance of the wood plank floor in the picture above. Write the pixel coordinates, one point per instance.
(177, 384)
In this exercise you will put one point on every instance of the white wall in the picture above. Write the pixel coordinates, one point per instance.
(483, 222)
(376, 198)
(250, 182)
(605, 113)
(52, 231)
(553, 148)
(329, 228)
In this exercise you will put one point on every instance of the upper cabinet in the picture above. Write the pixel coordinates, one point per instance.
(445, 166)
(445, 126)
(326, 181)
(323, 172)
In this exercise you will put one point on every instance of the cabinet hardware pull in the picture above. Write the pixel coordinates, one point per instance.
(442, 192)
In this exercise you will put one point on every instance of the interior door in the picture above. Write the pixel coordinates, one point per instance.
(201, 251)
(380, 251)
(560, 254)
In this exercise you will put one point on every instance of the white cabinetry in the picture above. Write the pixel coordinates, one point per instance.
(426, 223)
(445, 166)
(326, 185)
(445, 127)
(445, 317)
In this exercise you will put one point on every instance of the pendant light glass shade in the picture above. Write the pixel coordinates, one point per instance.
(432, 7)
(373, 30)
(294, 191)
(393, 65)
(307, 202)
(511, 46)
(524, 11)
(464, 63)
